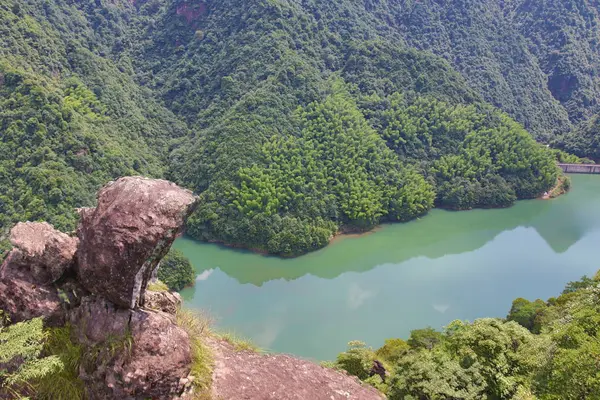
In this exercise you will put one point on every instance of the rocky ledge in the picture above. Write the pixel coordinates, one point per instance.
(250, 375)
(97, 283)
(133, 348)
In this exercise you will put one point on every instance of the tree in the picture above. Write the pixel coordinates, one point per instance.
(176, 271)
(426, 338)
(357, 360)
(527, 314)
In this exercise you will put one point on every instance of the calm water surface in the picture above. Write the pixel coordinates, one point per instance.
(445, 266)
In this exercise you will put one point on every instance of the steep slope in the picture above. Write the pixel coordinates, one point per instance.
(304, 117)
(490, 51)
(310, 117)
(71, 116)
(564, 36)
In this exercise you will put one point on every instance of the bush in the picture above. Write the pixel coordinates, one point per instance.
(21, 350)
(176, 271)
(392, 350)
(357, 360)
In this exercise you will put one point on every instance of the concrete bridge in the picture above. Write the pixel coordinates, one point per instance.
(580, 168)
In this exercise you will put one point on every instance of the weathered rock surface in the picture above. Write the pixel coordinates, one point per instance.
(46, 252)
(125, 236)
(41, 255)
(140, 354)
(22, 299)
(242, 375)
(168, 302)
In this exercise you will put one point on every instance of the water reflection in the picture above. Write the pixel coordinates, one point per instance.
(446, 266)
(561, 222)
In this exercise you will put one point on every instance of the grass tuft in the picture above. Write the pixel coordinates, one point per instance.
(197, 326)
(158, 286)
(63, 383)
(239, 343)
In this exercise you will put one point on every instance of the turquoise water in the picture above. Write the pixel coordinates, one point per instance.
(445, 266)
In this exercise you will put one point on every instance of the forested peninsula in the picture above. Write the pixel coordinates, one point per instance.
(293, 120)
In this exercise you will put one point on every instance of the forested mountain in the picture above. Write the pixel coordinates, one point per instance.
(71, 116)
(292, 118)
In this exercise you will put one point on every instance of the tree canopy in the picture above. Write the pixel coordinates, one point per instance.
(545, 350)
(293, 119)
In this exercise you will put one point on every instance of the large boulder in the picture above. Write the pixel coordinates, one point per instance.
(23, 299)
(130, 354)
(125, 236)
(44, 251)
(41, 255)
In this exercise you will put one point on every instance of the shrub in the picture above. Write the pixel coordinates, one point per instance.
(176, 271)
(357, 360)
(392, 350)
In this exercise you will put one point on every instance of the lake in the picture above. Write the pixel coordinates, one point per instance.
(428, 272)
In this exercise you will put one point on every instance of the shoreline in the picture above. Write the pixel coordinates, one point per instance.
(341, 234)
(561, 187)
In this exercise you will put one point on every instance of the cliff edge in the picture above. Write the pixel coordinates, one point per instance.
(133, 344)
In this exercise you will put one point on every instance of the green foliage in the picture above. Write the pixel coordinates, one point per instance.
(527, 313)
(21, 354)
(63, 383)
(426, 338)
(307, 117)
(567, 158)
(176, 271)
(238, 342)
(584, 283)
(392, 350)
(357, 360)
(434, 375)
(197, 327)
(556, 357)
(336, 172)
(571, 368)
(157, 286)
(494, 167)
(71, 118)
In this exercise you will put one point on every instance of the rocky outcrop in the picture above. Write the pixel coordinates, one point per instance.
(125, 236)
(41, 256)
(97, 283)
(23, 299)
(132, 354)
(41, 249)
(168, 302)
(249, 375)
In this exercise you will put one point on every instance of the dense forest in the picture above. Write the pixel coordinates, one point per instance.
(543, 350)
(293, 120)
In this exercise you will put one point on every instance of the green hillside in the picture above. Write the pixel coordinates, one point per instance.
(71, 115)
(292, 119)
